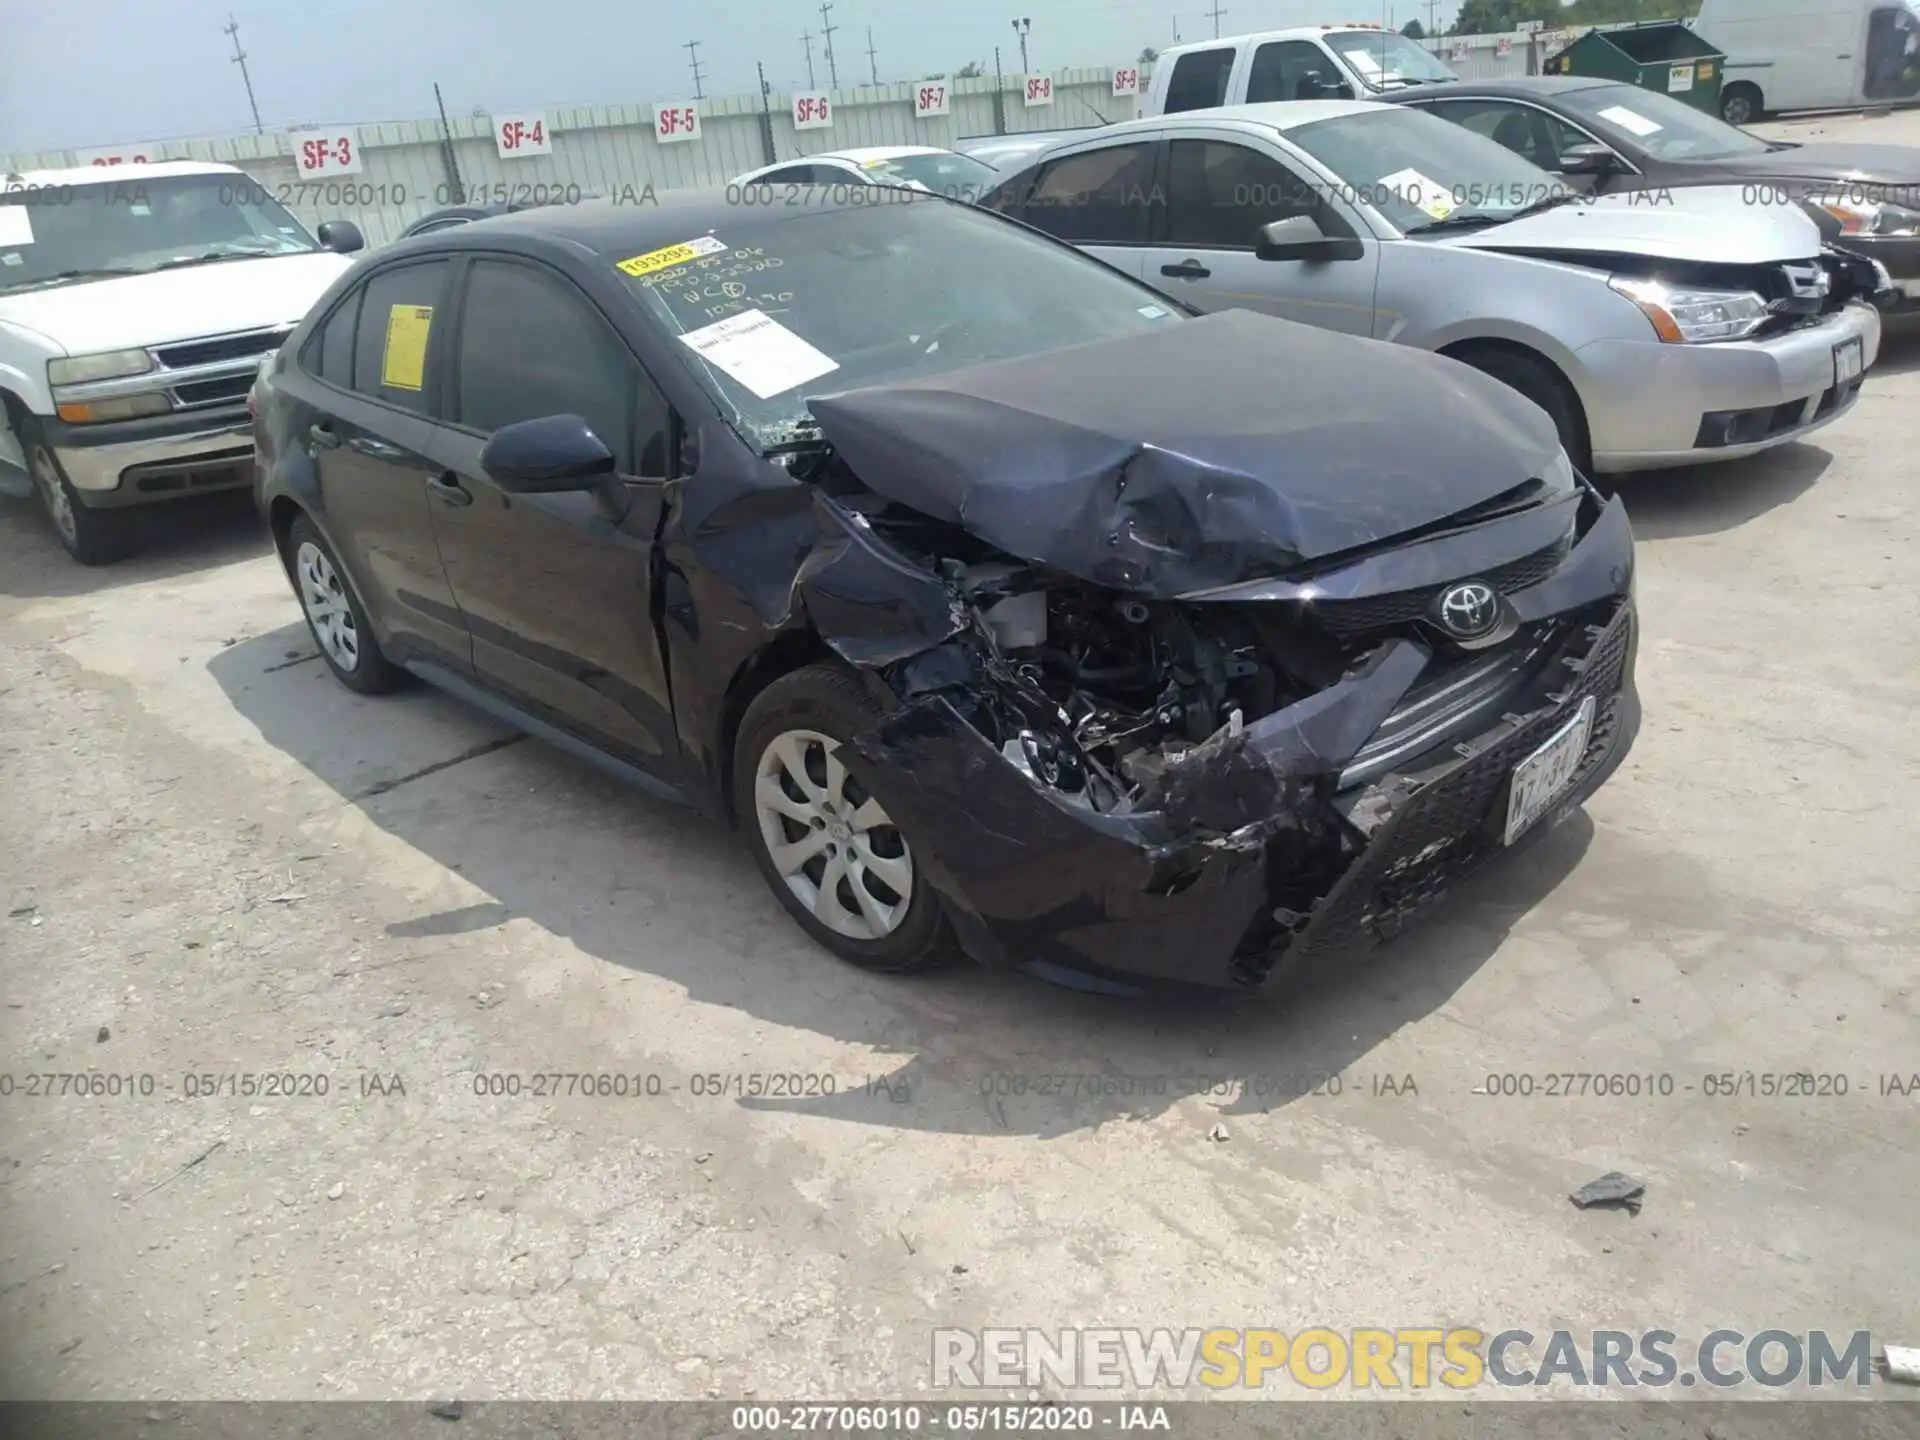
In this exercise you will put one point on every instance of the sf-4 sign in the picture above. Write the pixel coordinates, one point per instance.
(1039, 90)
(1126, 81)
(929, 99)
(811, 112)
(325, 152)
(518, 135)
(672, 123)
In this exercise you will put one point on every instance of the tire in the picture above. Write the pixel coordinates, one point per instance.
(339, 626)
(1740, 104)
(786, 739)
(93, 537)
(1537, 379)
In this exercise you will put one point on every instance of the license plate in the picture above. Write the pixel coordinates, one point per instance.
(1849, 359)
(1539, 779)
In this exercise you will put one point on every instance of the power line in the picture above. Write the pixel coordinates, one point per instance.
(232, 28)
(827, 27)
(692, 47)
(807, 40)
(873, 66)
(1216, 13)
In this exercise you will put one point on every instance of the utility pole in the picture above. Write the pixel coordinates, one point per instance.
(232, 28)
(827, 27)
(1021, 27)
(1216, 13)
(807, 40)
(692, 47)
(873, 65)
(1433, 17)
(1176, 29)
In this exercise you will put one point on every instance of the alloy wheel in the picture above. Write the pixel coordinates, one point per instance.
(832, 843)
(325, 600)
(53, 494)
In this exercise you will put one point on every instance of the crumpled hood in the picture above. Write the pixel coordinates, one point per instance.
(1205, 453)
(1861, 164)
(1708, 223)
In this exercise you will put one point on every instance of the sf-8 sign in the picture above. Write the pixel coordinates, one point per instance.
(673, 123)
(1039, 90)
(930, 100)
(319, 153)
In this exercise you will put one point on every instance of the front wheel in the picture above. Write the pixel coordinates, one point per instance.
(93, 537)
(829, 849)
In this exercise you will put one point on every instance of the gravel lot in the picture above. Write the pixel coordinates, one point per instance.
(217, 860)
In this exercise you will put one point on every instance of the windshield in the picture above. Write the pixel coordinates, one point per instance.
(958, 177)
(797, 303)
(60, 233)
(1418, 170)
(1661, 125)
(1386, 60)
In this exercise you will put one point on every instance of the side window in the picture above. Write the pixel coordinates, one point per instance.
(1102, 197)
(329, 354)
(1289, 70)
(789, 175)
(1504, 123)
(531, 346)
(399, 310)
(1199, 80)
(1219, 194)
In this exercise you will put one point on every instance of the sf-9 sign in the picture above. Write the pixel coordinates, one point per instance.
(1126, 81)
(325, 152)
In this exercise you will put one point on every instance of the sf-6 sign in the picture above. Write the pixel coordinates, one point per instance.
(811, 112)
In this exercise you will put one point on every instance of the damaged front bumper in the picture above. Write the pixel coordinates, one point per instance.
(1031, 878)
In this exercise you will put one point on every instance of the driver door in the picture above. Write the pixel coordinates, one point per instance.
(1220, 191)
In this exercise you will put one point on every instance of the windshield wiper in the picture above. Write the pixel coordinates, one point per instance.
(61, 277)
(214, 257)
(1551, 202)
(1464, 220)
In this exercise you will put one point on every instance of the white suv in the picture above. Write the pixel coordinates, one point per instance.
(136, 302)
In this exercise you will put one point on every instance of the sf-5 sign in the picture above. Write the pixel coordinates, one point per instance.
(673, 123)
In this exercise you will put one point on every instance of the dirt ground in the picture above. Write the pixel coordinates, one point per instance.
(214, 860)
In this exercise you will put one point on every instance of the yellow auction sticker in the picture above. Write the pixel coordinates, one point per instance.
(403, 364)
(673, 255)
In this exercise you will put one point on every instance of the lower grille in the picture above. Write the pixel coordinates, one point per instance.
(222, 391)
(1448, 827)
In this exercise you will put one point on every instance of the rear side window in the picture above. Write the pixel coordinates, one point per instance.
(531, 346)
(1199, 80)
(329, 354)
(1101, 197)
(399, 310)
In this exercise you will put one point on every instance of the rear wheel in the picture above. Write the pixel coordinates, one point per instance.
(1537, 379)
(1740, 104)
(93, 537)
(828, 849)
(338, 624)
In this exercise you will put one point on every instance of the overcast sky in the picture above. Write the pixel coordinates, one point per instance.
(110, 72)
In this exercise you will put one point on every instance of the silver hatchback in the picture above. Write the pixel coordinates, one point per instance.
(1656, 329)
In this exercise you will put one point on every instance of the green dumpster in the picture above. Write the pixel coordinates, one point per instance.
(1663, 55)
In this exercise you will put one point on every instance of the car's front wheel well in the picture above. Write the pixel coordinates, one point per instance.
(787, 652)
(1525, 369)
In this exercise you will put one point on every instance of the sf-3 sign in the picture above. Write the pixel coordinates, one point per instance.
(325, 152)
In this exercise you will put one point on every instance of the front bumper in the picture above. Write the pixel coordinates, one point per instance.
(139, 462)
(1031, 879)
(1649, 404)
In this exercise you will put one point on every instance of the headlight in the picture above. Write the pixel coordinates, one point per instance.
(108, 365)
(1687, 316)
(119, 407)
(1872, 217)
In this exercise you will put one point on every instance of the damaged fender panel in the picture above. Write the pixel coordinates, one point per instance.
(1161, 464)
(869, 604)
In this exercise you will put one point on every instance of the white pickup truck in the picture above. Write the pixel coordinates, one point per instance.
(136, 302)
(1315, 62)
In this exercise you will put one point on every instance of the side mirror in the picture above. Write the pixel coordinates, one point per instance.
(553, 453)
(1325, 87)
(1588, 159)
(1299, 237)
(341, 236)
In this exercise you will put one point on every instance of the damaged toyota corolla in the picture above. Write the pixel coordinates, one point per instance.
(1003, 605)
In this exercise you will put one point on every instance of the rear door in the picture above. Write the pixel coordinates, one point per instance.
(1101, 200)
(377, 358)
(557, 589)
(1220, 189)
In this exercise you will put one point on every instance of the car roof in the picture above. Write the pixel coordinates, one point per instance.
(1272, 115)
(107, 174)
(862, 154)
(1525, 87)
(1261, 37)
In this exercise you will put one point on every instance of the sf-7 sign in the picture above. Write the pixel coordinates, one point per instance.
(929, 99)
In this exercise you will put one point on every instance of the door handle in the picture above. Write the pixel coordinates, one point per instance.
(449, 491)
(375, 449)
(1187, 270)
(323, 438)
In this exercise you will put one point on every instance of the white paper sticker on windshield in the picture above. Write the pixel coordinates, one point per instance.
(759, 352)
(1152, 312)
(1424, 194)
(1363, 62)
(16, 225)
(1628, 120)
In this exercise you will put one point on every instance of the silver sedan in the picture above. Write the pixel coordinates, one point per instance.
(1655, 329)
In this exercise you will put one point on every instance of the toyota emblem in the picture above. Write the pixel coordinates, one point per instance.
(1468, 610)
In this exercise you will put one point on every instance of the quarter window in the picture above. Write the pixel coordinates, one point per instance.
(329, 354)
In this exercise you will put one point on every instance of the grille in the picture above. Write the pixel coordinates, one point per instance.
(221, 347)
(212, 392)
(1445, 831)
(1348, 618)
